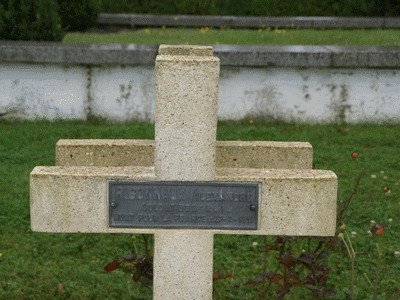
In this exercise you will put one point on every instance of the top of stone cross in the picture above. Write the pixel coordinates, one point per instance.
(186, 113)
(186, 50)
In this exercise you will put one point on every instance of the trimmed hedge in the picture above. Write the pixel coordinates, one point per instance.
(345, 8)
(48, 20)
(78, 15)
(32, 20)
(45, 20)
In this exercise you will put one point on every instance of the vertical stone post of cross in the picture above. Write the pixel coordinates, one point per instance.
(185, 137)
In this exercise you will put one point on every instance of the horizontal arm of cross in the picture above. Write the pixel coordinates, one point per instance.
(291, 202)
(140, 152)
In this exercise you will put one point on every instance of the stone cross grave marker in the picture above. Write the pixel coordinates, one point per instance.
(184, 199)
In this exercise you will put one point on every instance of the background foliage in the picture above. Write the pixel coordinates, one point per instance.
(276, 8)
(48, 20)
(34, 20)
(45, 20)
(78, 15)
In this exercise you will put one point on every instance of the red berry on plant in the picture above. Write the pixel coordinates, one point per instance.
(354, 155)
(379, 231)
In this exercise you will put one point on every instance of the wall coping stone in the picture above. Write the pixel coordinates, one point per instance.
(230, 55)
(247, 22)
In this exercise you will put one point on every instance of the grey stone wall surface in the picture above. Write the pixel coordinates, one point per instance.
(305, 83)
(253, 56)
(246, 22)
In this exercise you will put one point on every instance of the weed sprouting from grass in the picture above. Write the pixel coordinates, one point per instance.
(352, 255)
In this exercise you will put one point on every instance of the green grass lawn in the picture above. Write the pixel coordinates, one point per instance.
(32, 265)
(262, 36)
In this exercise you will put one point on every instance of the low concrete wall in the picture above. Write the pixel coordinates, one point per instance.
(305, 83)
(246, 22)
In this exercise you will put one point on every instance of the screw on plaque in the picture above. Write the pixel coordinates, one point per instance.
(113, 204)
(252, 207)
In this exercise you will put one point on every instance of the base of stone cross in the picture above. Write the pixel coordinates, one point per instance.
(184, 250)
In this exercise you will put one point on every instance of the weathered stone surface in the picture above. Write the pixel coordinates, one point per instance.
(263, 154)
(246, 22)
(229, 154)
(186, 113)
(64, 53)
(105, 153)
(185, 136)
(185, 50)
(251, 56)
(292, 202)
(391, 23)
(348, 22)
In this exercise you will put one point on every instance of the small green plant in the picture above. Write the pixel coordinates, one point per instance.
(309, 269)
(125, 93)
(378, 268)
(345, 238)
(352, 255)
(140, 267)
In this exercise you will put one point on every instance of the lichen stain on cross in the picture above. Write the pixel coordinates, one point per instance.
(289, 201)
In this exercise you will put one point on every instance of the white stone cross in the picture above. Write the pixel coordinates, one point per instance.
(80, 197)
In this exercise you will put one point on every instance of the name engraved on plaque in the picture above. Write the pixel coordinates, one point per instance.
(183, 205)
